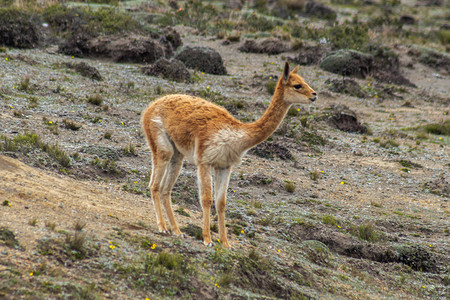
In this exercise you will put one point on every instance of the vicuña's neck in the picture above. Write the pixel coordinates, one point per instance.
(261, 129)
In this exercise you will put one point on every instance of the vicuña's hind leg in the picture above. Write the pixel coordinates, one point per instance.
(221, 180)
(159, 168)
(205, 189)
(170, 176)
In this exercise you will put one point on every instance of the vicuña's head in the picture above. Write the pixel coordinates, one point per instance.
(296, 90)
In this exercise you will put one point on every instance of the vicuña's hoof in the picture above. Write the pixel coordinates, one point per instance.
(164, 232)
(210, 244)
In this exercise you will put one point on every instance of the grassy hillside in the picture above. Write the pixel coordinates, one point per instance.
(348, 198)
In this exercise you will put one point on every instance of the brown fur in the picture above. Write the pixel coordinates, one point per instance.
(178, 126)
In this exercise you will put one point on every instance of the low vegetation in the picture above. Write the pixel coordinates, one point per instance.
(325, 208)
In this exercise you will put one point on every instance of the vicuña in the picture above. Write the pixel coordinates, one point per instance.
(179, 126)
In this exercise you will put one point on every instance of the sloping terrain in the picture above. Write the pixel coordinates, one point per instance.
(314, 212)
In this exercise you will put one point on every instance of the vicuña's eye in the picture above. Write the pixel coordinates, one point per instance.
(297, 86)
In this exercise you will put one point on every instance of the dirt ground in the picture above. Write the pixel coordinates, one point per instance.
(350, 178)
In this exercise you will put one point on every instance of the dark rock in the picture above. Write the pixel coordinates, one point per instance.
(271, 149)
(268, 46)
(120, 48)
(417, 257)
(407, 19)
(346, 86)
(76, 44)
(382, 64)
(129, 48)
(348, 63)
(319, 10)
(170, 69)
(202, 58)
(346, 120)
(310, 55)
(85, 70)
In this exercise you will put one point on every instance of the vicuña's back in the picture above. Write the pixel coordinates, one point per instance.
(179, 126)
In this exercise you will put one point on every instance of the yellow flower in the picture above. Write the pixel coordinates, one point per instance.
(376, 96)
(73, 56)
(207, 87)
(342, 182)
(110, 242)
(242, 232)
(11, 106)
(279, 251)
(14, 87)
(203, 73)
(270, 77)
(322, 171)
(218, 241)
(339, 226)
(6, 58)
(440, 138)
(153, 246)
(31, 274)
(147, 298)
(423, 286)
(122, 123)
(298, 109)
(112, 246)
(50, 122)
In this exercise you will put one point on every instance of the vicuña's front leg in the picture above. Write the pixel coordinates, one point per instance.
(170, 176)
(204, 184)
(221, 180)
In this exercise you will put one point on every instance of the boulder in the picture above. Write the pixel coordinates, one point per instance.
(346, 86)
(310, 55)
(268, 46)
(169, 69)
(128, 48)
(348, 62)
(345, 119)
(85, 70)
(202, 58)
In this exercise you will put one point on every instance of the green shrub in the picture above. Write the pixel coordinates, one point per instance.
(367, 232)
(290, 186)
(270, 87)
(194, 14)
(438, 128)
(349, 36)
(28, 141)
(95, 99)
(105, 20)
(20, 28)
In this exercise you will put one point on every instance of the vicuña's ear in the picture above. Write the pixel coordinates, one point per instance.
(286, 72)
(295, 71)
